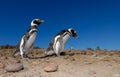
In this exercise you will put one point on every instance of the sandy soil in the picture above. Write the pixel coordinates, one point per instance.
(69, 65)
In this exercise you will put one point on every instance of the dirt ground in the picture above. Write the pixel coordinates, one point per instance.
(71, 64)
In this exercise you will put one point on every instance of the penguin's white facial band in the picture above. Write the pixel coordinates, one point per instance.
(66, 34)
(72, 32)
(36, 22)
(32, 30)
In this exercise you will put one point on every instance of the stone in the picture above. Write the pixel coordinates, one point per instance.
(14, 67)
(51, 68)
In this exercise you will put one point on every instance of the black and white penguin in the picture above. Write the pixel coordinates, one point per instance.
(56, 45)
(26, 42)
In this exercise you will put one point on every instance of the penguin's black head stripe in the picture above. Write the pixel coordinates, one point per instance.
(66, 33)
(72, 32)
(61, 32)
(69, 32)
(33, 31)
(36, 22)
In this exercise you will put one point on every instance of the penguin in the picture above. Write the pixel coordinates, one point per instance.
(56, 46)
(25, 44)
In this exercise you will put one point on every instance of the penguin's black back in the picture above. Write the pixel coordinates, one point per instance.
(50, 47)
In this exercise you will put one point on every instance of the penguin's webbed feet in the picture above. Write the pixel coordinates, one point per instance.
(58, 54)
(25, 57)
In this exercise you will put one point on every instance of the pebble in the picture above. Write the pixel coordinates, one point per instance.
(14, 67)
(51, 68)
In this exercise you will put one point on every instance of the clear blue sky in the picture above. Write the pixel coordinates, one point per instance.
(97, 22)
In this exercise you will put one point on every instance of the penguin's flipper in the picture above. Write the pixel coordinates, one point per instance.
(31, 48)
(57, 49)
(22, 45)
(57, 46)
(29, 39)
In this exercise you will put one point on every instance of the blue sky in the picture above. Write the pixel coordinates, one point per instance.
(97, 22)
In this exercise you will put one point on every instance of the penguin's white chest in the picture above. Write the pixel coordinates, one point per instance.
(30, 41)
(65, 38)
(59, 45)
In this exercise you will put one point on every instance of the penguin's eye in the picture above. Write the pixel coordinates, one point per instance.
(72, 31)
(74, 34)
(35, 21)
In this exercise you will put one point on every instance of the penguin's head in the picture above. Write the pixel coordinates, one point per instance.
(72, 32)
(36, 22)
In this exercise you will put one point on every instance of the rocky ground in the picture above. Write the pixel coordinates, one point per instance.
(71, 64)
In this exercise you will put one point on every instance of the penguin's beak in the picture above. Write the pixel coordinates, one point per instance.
(42, 21)
(75, 34)
(77, 37)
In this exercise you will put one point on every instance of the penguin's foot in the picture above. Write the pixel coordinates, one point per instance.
(25, 57)
(58, 55)
(46, 55)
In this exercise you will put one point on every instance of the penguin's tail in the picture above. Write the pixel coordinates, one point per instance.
(15, 53)
(49, 52)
